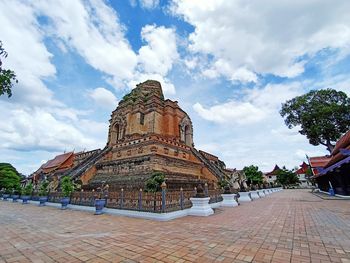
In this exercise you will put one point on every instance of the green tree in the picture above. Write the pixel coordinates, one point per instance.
(67, 186)
(287, 177)
(153, 184)
(254, 176)
(27, 190)
(9, 177)
(43, 188)
(323, 116)
(7, 76)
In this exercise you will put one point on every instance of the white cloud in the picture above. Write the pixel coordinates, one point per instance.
(35, 120)
(33, 129)
(263, 36)
(93, 30)
(28, 56)
(253, 105)
(191, 63)
(222, 67)
(302, 153)
(160, 53)
(258, 144)
(339, 82)
(99, 37)
(231, 112)
(244, 75)
(149, 4)
(103, 98)
(133, 3)
(145, 4)
(272, 96)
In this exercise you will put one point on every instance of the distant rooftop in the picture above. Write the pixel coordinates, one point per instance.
(58, 160)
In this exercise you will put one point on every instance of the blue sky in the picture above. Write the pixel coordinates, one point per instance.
(230, 64)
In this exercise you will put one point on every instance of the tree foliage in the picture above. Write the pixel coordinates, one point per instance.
(7, 76)
(67, 186)
(287, 177)
(153, 184)
(43, 188)
(323, 116)
(9, 177)
(27, 190)
(254, 176)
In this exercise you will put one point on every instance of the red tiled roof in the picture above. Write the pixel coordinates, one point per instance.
(304, 165)
(303, 168)
(343, 142)
(58, 160)
(336, 155)
(318, 162)
(274, 171)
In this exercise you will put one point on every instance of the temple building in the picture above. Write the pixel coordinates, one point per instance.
(271, 177)
(302, 175)
(59, 166)
(334, 170)
(147, 133)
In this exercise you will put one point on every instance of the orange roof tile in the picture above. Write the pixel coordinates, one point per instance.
(58, 160)
(343, 142)
(319, 161)
(303, 168)
(274, 171)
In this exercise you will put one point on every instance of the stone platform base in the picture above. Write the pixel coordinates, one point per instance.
(200, 207)
(229, 200)
(244, 197)
(254, 195)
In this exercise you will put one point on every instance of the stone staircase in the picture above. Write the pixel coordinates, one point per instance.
(77, 171)
(211, 167)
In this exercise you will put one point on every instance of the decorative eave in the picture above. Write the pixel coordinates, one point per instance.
(331, 168)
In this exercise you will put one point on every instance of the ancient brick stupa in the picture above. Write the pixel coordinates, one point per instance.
(148, 133)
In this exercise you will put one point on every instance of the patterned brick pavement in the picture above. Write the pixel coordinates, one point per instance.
(288, 226)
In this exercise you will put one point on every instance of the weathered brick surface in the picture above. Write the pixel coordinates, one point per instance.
(289, 226)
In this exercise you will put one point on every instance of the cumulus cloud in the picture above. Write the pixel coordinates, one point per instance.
(221, 67)
(149, 4)
(99, 37)
(28, 55)
(103, 98)
(146, 4)
(160, 53)
(96, 35)
(271, 96)
(254, 105)
(233, 111)
(263, 37)
(33, 129)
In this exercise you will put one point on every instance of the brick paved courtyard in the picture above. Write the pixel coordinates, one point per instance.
(288, 226)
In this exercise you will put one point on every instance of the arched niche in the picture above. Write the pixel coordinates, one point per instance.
(186, 131)
(117, 130)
